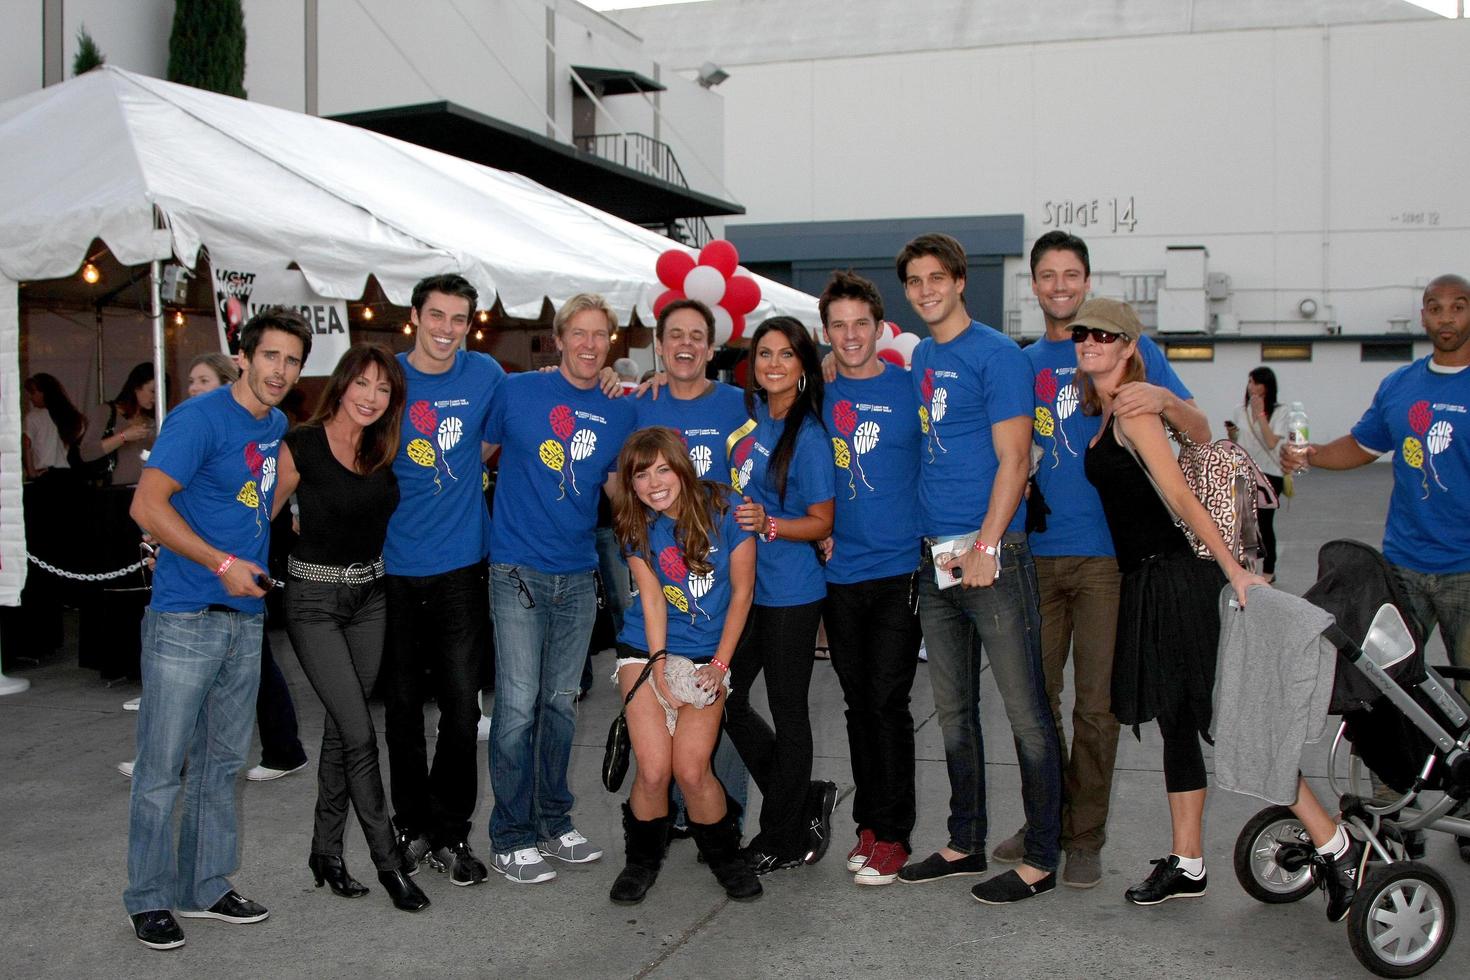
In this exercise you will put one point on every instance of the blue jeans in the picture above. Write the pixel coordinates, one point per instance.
(200, 675)
(542, 624)
(616, 581)
(1004, 619)
(1442, 600)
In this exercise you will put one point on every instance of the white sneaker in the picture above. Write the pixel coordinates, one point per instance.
(261, 774)
(570, 847)
(524, 867)
(126, 768)
(131, 704)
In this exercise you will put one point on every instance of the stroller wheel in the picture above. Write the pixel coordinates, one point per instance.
(1402, 919)
(1273, 857)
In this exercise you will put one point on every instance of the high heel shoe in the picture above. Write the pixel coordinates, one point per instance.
(406, 896)
(330, 869)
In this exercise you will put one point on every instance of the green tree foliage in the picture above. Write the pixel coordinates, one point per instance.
(88, 54)
(207, 46)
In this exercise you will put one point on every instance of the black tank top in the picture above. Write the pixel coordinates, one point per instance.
(344, 515)
(1137, 519)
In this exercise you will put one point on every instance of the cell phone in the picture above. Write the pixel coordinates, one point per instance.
(146, 550)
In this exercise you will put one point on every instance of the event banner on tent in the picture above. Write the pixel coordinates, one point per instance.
(242, 290)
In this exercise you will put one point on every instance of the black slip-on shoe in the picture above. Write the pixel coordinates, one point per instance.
(1008, 888)
(937, 866)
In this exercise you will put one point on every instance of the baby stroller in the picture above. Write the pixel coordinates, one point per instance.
(1407, 725)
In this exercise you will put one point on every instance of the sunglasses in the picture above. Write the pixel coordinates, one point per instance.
(1079, 334)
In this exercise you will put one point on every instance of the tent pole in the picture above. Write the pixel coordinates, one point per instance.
(155, 278)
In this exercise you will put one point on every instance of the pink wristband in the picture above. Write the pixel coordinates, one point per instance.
(770, 534)
(224, 566)
(720, 664)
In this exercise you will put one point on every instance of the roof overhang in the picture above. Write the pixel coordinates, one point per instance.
(616, 81)
(611, 187)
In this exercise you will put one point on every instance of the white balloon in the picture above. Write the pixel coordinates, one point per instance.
(699, 585)
(450, 430)
(865, 438)
(1439, 437)
(1067, 401)
(268, 474)
(584, 444)
(706, 284)
(724, 325)
(886, 340)
(905, 343)
(937, 403)
(701, 457)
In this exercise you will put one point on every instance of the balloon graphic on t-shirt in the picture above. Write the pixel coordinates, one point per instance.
(584, 444)
(924, 420)
(421, 451)
(699, 585)
(554, 457)
(863, 441)
(251, 498)
(844, 417)
(741, 464)
(1414, 456)
(450, 431)
(1046, 427)
(421, 416)
(1438, 440)
(267, 474)
(562, 422)
(1420, 416)
(253, 459)
(1066, 405)
(843, 459)
(671, 563)
(1046, 385)
(676, 598)
(937, 404)
(702, 459)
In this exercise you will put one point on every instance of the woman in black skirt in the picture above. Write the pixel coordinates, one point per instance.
(340, 466)
(1168, 610)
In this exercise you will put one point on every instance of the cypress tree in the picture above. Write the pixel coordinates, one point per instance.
(88, 54)
(207, 46)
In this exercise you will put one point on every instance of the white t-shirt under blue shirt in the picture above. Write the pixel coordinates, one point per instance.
(1076, 526)
(558, 445)
(225, 460)
(965, 386)
(440, 523)
(875, 433)
(787, 573)
(1423, 417)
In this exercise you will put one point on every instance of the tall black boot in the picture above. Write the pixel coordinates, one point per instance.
(645, 842)
(719, 842)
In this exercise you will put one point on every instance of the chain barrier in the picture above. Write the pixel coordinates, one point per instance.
(83, 576)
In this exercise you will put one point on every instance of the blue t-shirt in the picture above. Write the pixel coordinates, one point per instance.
(965, 386)
(1076, 526)
(1414, 415)
(708, 423)
(225, 460)
(558, 445)
(440, 523)
(874, 426)
(787, 573)
(696, 604)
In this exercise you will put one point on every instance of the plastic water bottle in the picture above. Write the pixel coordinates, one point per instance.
(1298, 432)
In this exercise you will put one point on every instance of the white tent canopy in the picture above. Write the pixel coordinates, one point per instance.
(94, 156)
(157, 170)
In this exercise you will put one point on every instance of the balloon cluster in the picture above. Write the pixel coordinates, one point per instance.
(712, 279)
(895, 346)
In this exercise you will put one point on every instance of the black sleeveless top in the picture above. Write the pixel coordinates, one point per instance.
(344, 515)
(1137, 519)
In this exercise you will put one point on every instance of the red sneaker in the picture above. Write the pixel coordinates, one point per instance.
(858, 856)
(882, 867)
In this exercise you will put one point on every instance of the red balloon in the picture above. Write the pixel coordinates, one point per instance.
(892, 357)
(722, 255)
(672, 266)
(742, 294)
(738, 328)
(893, 328)
(665, 298)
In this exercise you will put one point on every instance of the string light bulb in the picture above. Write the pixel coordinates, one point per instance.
(408, 330)
(178, 318)
(91, 275)
(479, 335)
(484, 316)
(613, 336)
(367, 312)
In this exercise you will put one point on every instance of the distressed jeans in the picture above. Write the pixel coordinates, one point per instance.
(200, 671)
(542, 625)
(1003, 620)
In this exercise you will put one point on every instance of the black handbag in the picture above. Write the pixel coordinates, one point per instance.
(619, 745)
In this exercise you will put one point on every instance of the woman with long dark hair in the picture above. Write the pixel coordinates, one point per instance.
(122, 430)
(54, 500)
(789, 496)
(1169, 609)
(694, 569)
(339, 464)
(53, 426)
(1259, 425)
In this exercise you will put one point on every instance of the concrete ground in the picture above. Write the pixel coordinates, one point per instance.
(63, 810)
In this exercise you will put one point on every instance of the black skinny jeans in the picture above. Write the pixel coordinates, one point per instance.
(337, 631)
(439, 624)
(874, 633)
(275, 714)
(778, 640)
(1266, 518)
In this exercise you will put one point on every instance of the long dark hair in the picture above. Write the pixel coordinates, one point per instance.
(808, 402)
(380, 440)
(701, 502)
(1266, 378)
(126, 401)
(70, 423)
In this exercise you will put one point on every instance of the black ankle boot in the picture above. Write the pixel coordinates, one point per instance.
(330, 869)
(406, 896)
(719, 842)
(645, 842)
